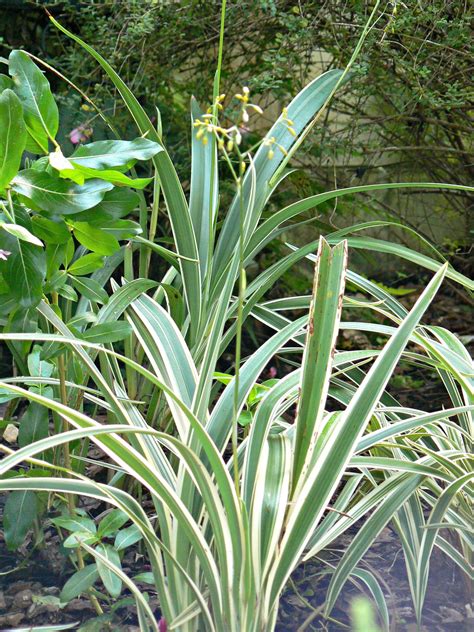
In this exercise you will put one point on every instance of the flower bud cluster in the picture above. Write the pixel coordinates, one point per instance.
(227, 137)
(245, 105)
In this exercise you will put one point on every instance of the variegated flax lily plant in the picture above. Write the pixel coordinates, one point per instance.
(131, 367)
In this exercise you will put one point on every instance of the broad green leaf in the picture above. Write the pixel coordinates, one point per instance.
(25, 269)
(39, 107)
(86, 264)
(33, 425)
(75, 523)
(90, 289)
(52, 232)
(38, 367)
(80, 174)
(12, 136)
(80, 582)
(116, 204)
(55, 258)
(245, 418)
(107, 332)
(56, 196)
(112, 583)
(146, 578)
(111, 523)
(94, 239)
(68, 292)
(5, 83)
(19, 513)
(120, 229)
(107, 154)
(22, 233)
(79, 537)
(127, 537)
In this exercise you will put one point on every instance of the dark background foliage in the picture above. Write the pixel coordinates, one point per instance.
(406, 115)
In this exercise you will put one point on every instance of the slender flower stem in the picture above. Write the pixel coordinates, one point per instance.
(213, 211)
(238, 339)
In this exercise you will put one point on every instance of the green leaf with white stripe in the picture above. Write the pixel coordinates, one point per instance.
(323, 327)
(329, 466)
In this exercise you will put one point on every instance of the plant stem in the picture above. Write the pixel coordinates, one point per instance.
(67, 460)
(63, 398)
(217, 77)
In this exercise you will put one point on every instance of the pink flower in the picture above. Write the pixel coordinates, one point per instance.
(4, 254)
(162, 625)
(80, 134)
(272, 372)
